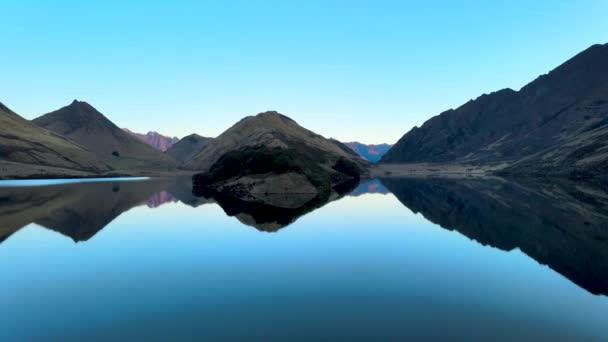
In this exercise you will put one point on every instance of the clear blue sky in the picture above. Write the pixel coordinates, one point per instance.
(353, 70)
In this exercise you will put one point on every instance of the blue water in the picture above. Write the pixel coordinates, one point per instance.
(43, 182)
(363, 267)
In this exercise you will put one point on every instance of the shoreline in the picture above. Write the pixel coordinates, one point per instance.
(17, 171)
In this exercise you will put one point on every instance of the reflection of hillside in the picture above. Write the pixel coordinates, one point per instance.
(77, 210)
(562, 225)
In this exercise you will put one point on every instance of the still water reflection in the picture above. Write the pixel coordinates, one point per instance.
(433, 258)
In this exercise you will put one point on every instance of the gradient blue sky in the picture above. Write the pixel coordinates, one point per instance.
(353, 70)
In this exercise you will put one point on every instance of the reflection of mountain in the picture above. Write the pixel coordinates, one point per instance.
(77, 210)
(562, 225)
(159, 199)
(373, 186)
(271, 212)
(80, 210)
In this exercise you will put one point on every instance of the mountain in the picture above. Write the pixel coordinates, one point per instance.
(372, 153)
(264, 157)
(188, 147)
(26, 150)
(83, 124)
(272, 130)
(154, 139)
(558, 123)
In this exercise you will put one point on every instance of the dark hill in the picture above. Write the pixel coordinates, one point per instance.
(270, 154)
(273, 130)
(559, 119)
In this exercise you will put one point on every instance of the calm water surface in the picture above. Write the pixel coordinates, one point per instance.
(395, 258)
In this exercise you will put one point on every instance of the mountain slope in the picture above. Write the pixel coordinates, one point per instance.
(154, 139)
(25, 143)
(188, 147)
(83, 124)
(372, 153)
(567, 107)
(272, 130)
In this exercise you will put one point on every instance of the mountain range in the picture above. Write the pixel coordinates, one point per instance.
(155, 139)
(555, 125)
(372, 153)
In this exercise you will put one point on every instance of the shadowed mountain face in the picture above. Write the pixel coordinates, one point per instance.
(372, 153)
(555, 124)
(562, 225)
(86, 126)
(185, 149)
(154, 139)
(25, 143)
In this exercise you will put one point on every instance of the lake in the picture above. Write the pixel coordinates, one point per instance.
(435, 259)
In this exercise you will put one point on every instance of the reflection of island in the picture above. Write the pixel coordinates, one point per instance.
(562, 225)
(273, 211)
(80, 210)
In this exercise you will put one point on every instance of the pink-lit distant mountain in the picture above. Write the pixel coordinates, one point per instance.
(154, 139)
(373, 153)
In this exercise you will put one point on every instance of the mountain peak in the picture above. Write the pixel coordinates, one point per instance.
(154, 139)
(5, 109)
(273, 115)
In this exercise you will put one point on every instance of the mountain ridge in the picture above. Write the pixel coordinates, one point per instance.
(157, 140)
(508, 125)
(370, 152)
